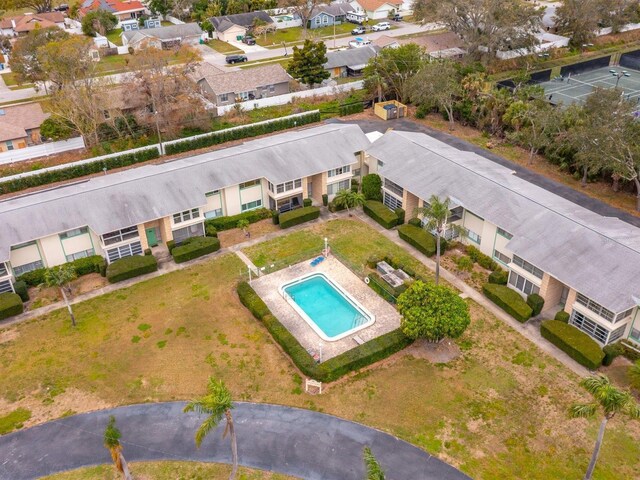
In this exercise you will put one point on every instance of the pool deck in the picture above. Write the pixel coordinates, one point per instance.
(387, 318)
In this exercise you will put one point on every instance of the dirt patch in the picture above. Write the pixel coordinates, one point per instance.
(42, 296)
(441, 352)
(255, 230)
(87, 283)
(9, 335)
(618, 372)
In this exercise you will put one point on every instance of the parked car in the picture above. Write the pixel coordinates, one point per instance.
(249, 40)
(359, 42)
(358, 30)
(381, 26)
(396, 18)
(235, 58)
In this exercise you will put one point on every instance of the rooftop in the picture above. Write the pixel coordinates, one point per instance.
(16, 119)
(352, 57)
(372, 5)
(246, 80)
(165, 33)
(29, 21)
(224, 22)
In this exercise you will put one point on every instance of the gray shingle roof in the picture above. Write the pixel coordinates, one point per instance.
(335, 10)
(109, 202)
(166, 33)
(246, 80)
(352, 57)
(224, 22)
(598, 256)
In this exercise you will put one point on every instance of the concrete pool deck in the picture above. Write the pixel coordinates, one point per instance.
(387, 318)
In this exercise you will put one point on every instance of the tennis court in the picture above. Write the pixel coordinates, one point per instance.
(575, 87)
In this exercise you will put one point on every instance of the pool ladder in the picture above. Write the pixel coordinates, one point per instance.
(358, 320)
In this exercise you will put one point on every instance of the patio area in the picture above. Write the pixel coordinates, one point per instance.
(386, 316)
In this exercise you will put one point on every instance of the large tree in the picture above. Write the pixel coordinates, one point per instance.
(610, 401)
(60, 277)
(162, 7)
(437, 84)
(98, 22)
(40, 6)
(388, 73)
(579, 19)
(432, 312)
(307, 64)
(303, 9)
(485, 25)
(24, 61)
(349, 199)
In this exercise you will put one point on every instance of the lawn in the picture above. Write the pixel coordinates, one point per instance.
(114, 36)
(222, 47)
(296, 34)
(11, 81)
(497, 411)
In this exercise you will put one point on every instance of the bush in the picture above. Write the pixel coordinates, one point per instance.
(171, 244)
(21, 289)
(416, 222)
(372, 187)
(307, 202)
(536, 302)
(509, 300)
(400, 214)
(10, 305)
(147, 252)
(275, 217)
(578, 345)
(82, 266)
(195, 247)
(44, 178)
(210, 230)
(485, 261)
(380, 213)
(130, 267)
(351, 108)
(612, 351)
(250, 299)
(228, 223)
(33, 278)
(298, 216)
(383, 289)
(418, 238)
(335, 208)
(499, 277)
(562, 316)
(325, 199)
(243, 131)
(422, 111)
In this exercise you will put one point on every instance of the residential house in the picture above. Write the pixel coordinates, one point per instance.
(328, 15)
(23, 24)
(440, 45)
(350, 62)
(227, 87)
(377, 9)
(123, 213)
(385, 41)
(164, 37)
(123, 10)
(234, 27)
(20, 126)
(579, 261)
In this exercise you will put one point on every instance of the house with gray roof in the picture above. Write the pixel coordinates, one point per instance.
(234, 27)
(163, 38)
(328, 15)
(350, 62)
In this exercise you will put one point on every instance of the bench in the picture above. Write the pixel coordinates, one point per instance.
(358, 339)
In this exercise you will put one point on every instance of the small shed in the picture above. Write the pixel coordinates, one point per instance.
(390, 110)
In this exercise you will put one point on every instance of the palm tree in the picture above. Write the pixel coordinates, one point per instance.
(611, 400)
(374, 470)
(112, 443)
(60, 277)
(435, 215)
(216, 404)
(349, 199)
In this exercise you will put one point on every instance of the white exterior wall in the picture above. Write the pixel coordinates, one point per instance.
(51, 250)
(214, 202)
(500, 244)
(76, 244)
(28, 254)
(474, 223)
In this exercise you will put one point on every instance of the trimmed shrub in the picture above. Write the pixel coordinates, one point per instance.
(171, 244)
(33, 278)
(562, 316)
(612, 351)
(578, 345)
(307, 202)
(400, 214)
(351, 108)
(416, 222)
(509, 300)
(372, 187)
(335, 208)
(499, 277)
(195, 247)
(536, 302)
(380, 213)
(147, 251)
(298, 216)
(418, 238)
(250, 299)
(275, 217)
(21, 289)
(210, 230)
(325, 199)
(82, 266)
(10, 305)
(130, 267)
(382, 288)
(228, 223)
(485, 261)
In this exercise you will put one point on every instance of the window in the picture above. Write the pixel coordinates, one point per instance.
(123, 251)
(211, 194)
(287, 186)
(224, 97)
(5, 286)
(473, 236)
(3, 269)
(213, 213)
(186, 215)
(325, 19)
(121, 235)
(527, 267)
(617, 333)
(196, 230)
(270, 186)
(635, 334)
(391, 202)
(456, 214)
(334, 188)
(23, 245)
(317, 20)
(272, 88)
(589, 326)
(249, 184)
(595, 307)
(82, 254)
(251, 205)
(522, 284)
(74, 233)
(504, 233)
(393, 187)
(9, 144)
(380, 163)
(356, 172)
(501, 257)
(339, 171)
(28, 267)
(624, 314)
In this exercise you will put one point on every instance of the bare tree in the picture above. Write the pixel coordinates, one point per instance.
(304, 9)
(578, 19)
(438, 84)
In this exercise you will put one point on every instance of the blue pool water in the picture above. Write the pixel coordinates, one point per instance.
(327, 307)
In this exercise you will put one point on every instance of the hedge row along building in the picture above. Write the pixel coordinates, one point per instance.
(577, 260)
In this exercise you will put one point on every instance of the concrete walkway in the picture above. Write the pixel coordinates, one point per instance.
(302, 443)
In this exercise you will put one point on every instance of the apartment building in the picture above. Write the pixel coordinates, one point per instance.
(124, 213)
(576, 260)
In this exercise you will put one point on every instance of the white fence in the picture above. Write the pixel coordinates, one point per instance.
(286, 98)
(43, 150)
(280, 24)
(174, 20)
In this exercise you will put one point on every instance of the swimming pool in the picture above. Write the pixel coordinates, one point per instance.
(329, 310)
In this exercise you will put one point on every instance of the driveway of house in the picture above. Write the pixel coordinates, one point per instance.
(292, 441)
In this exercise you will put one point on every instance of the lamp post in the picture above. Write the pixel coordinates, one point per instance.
(326, 246)
(619, 75)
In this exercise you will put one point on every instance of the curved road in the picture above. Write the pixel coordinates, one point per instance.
(292, 441)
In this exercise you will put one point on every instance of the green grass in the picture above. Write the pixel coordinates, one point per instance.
(222, 47)
(295, 35)
(11, 81)
(114, 36)
(14, 420)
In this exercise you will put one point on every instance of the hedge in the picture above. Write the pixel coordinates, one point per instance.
(578, 345)
(351, 108)
(130, 267)
(416, 222)
(325, 199)
(195, 247)
(499, 277)
(307, 202)
(82, 266)
(485, 261)
(417, 237)
(20, 288)
(536, 302)
(227, 223)
(612, 351)
(76, 171)
(509, 300)
(380, 213)
(10, 305)
(298, 216)
(372, 187)
(382, 288)
(400, 213)
(334, 368)
(562, 316)
(245, 131)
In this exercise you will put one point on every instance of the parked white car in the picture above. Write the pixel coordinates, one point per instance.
(359, 42)
(381, 26)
